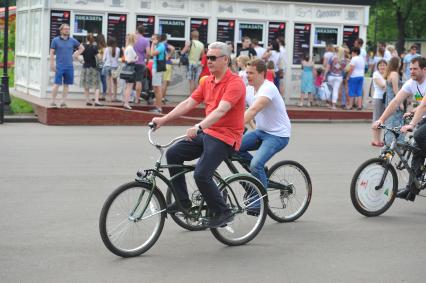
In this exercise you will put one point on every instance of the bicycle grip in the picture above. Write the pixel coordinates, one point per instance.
(152, 125)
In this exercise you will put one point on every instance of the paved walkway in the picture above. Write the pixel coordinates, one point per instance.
(54, 180)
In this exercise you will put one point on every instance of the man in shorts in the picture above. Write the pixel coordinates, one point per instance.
(63, 47)
(195, 50)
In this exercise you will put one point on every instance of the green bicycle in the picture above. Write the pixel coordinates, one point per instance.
(132, 217)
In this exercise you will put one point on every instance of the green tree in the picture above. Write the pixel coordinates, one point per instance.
(11, 3)
(397, 20)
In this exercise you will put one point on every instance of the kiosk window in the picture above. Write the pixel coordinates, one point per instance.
(251, 30)
(173, 28)
(325, 35)
(84, 24)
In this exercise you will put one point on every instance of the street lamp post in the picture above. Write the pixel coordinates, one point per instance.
(4, 92)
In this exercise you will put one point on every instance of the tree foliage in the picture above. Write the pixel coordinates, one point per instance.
(397, 20)
(11, 3)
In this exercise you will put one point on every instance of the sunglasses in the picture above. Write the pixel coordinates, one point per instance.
(213, 58)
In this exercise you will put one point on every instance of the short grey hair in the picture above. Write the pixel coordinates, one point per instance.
(222, 46)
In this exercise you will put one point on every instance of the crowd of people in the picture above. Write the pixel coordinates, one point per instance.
(103, 62)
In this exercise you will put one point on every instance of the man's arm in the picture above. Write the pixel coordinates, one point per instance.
(186, 48)
(215, 115)
(260, 103)
(351, 69)
(147, 52)
(52, 59)
(418, 116)
(181, 109)
(393, 105)
(79, 51)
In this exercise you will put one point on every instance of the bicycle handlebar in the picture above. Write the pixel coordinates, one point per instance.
(152, 128)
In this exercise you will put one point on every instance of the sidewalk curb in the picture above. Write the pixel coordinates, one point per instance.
(21, 119)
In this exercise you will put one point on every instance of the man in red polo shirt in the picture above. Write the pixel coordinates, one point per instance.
(214, 138)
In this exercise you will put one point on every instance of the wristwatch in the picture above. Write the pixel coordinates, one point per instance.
(198, 126)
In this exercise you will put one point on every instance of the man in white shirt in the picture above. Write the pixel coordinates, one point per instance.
(416, 86)
(273, 126)
(259, 49)
(355, 78)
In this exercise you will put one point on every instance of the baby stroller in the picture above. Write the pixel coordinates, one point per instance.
(147, 91)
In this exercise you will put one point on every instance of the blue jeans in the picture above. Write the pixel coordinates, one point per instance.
(266, 145)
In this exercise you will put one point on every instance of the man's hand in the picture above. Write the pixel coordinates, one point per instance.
(158, 121)
(192, 132)
(408, 114)
(52, 68)
(376, 124)
(407, 128)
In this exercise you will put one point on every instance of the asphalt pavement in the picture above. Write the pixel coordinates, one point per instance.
(54, 180)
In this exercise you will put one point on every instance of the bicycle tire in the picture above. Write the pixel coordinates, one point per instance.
(283, 200)
(365, 198)
(132, 191)
(233, 234)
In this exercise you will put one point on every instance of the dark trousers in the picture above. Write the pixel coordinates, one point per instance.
(211, 152)
(419, 157)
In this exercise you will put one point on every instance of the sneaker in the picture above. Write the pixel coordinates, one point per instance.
(88, 104)
(219, 219)
(156, 110)
(63, 105)
(53, 104)
(127, 107)
(408, 194)
(98, 104)
(173, 207)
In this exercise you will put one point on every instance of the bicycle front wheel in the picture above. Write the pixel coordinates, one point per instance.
(247, 199)
(124, 231)
(289, 191)
(367, 197)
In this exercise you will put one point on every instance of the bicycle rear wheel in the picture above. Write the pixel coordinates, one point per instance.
(247, 199)
(121, 233)
(366, 197)
(289, 191)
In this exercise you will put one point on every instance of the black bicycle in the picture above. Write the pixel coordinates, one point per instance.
(289, 191)
(375, 183)
(132, 217)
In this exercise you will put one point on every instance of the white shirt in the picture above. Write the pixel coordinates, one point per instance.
(358, 66)
(243, 75)
(275, 57)
(413, 87)
(283, 58)
(130, 54)
(273, 119)
(259, 51)
(327, 56)
(363, 54)
(387, 56)
(109, 60)
(378, 91)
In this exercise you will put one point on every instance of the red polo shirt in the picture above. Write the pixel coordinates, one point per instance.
(230, 88)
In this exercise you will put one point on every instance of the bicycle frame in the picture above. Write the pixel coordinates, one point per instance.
(243, 162)
(400, 149)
